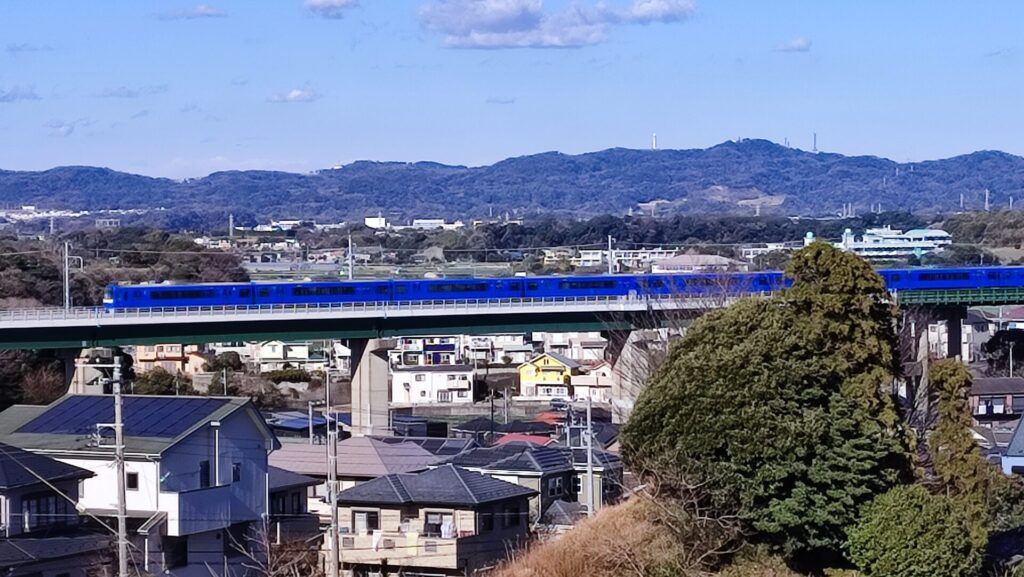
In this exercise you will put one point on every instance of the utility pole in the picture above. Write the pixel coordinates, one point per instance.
(611, 257)
(590, 462)
(310, 405)
(1011, 358)
(67, 276)
(505, 398)
(122, 512)
(350, 260)
(224, 377)
(334, 560)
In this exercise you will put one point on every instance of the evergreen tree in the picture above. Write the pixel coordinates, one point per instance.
(782, 406)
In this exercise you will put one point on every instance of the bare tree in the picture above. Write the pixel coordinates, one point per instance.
(264, 557)
(42, 386)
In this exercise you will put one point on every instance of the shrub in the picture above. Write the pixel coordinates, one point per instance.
(908, 532)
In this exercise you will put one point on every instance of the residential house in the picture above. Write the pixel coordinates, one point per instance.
(545, 470)
(546, 377)
(94, 369)
(976, 330)
(195, 471)
(40, 525)
(427, 384)
(419, 351)
(248, 352)
(445, 521)
(997, 398)
(341, 357)
(595, 383)
(360, 459)
(290, 519)
(1013, 457)
(624, 260)
(280, 355)
(172, 358)
(482, 429)
(582, 347)
(697, 263)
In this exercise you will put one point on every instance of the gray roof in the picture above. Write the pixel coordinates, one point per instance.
(517, 457)
(562, 359)
(281, 480)
(17, 467)
(563, 513)
(446, 485)
(362, 457)
(443, 447)
(153, 423)
(997, 386)
(1016, 446)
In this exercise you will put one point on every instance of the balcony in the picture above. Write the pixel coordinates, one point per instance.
(291, 528)
(198, 510)
(401, 549)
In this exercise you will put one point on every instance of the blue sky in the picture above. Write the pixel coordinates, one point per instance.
(181, 89)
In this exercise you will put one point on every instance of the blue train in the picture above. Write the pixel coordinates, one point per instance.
(301, 293)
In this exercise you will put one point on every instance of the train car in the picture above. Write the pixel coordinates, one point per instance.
(456, 289)
(306, 293)
(161, 296)
(581, 286)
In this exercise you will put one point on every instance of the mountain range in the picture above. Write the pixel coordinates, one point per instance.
(741, 177)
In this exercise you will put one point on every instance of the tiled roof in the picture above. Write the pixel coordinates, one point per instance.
(563, 513)
(569, 363)
(537, 440)
(357, 457)
(477, 425)
(17, 467)
(279, 480)
(519, 457)
(25, 551)
(445, 485)
(436, 445)
(997, 386)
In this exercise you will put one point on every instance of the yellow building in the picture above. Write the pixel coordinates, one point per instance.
(547, 377)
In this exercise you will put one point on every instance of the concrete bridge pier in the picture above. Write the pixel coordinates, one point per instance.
(370, 386)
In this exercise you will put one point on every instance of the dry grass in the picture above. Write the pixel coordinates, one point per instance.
(621, 541)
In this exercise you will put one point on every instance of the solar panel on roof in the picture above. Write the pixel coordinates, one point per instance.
(143, 416)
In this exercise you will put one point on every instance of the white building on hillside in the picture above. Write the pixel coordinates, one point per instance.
(697, 263)
(889, 243)
(432, 384)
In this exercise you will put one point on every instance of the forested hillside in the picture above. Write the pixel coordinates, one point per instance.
(732, 177)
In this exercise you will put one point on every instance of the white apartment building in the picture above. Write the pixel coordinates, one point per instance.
(418, 351)
(429, 384)
(583, 347)
(495, 349)
(280, 355)
(624, 259)
(888, 243)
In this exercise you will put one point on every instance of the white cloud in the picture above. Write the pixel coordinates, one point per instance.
(295, 95)
(200, 11)
(795, 45)
(129, 92)
(16, 93)
(526, 24)
(16, 49)
(65, 129)
(332, 9)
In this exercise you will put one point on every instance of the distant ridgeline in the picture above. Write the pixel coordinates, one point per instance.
(745, 177)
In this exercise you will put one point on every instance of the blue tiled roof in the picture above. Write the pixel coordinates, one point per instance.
(446, 485)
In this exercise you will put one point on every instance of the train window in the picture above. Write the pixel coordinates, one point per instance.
(997, 275)
(762, 281)
(263, 292)
(532, 286)
(945, 276)
(515, 285)
(319, 291)
(400, 289)
(587, 284)
(895, 277)
(457, 288)
(244, 293)
(182, 294)
(382, 290)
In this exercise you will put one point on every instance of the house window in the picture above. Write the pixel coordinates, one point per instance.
(555, 487)
(512, 517)
(577, 485)
(204, 474)
(365, 521)
(463, 394)
(423, 393)
(296, 502)
(44, 510)
(451, 378)
(484, 521)
(132, 481)
(1018, 403)
(420, 378)
(277, 505)
(439, 524)
(444, 396)
(236, 472)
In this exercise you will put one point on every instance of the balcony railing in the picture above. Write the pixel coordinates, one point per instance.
(401, 549)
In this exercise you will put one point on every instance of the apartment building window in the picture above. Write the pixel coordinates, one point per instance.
(444, 396)
(420, 378)
(132, 481)
(463, 394)
(365, 521)
(204, 474)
